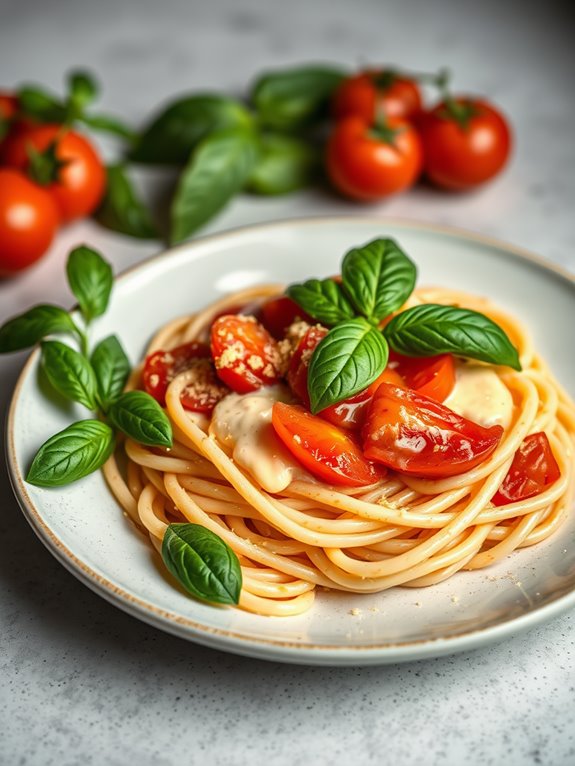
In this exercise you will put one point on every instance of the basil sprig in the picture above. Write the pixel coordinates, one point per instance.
(377, 279)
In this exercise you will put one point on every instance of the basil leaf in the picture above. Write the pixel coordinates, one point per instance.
(378, 277)
(285, 164)
(38, 103)
(217, 170)
(347, 360)
(111, 367)
(83, 89)
(322, 299)
(203, 563)
(176, 131)
(141, 418)
(434, 329)
(71, 454)
(69, 372)
(122, 210)
(91, 279)
(107, 124)
(30, 327)
(289, 99)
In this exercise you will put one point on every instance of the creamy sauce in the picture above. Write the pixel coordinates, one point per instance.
(479, 395)
(243, 424)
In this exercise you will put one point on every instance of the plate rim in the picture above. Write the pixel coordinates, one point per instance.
(271, 648)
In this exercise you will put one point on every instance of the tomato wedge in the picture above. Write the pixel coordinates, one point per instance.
(533, 469)
(277, 314)
(161, 367)
(325, 451)
(416, 435)
(432, 376)
(299, 363)
(245, 354)
(350, 414)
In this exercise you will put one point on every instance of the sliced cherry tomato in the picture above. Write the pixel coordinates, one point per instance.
(245, 354)
(299, 363)
(416, 435)
(350, 414)
(432, 376)
(277, 314)
(533, 469)
(324, 450)
(161, 367)
(373, 93)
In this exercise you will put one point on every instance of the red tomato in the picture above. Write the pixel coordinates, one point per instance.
(8, 105)
(367, 163)
(161, 367)
(350, 414)
(277, 314)
(416, 435)
(465, 147)
(80, 178)
(432, 376)
(28, 221)
(372, 94)
(321, 448)
(533, 469)
(299, 363)
(245, 354)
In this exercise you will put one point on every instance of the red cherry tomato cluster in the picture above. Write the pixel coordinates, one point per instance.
(49, 175)
(384, 139)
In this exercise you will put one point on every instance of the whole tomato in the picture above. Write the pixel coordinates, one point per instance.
(64, 162)
(466, 142)
(374, 93)
(28, 221)
(367, 162)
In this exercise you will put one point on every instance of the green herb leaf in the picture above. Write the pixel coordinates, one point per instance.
(30, 327)
(105, 123)
(38, 103)
(141, 418)
(111, 367)
(292, 98)
(91, 279)
(434, 329)
(322, 299)
(69, 372)
(217, 170)
(83, 90)
(378, 277)
(285, 164)
(203, 563)
(122, 210)
(347, 360)
(71, 454)
(176, 131)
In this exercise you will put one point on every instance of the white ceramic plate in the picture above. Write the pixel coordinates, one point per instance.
(84, 528)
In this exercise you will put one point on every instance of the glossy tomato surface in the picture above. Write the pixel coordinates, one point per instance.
(350, 413)
(432, 376)
(377, 93)
(277, 314)
(533, 469)
(299, 362)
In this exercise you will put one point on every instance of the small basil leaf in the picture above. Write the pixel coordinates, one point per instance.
(27, 329)
(105, 123)
(69, 372)
(122, 210)
(176, 131)
(141, 418)
(378, 277)
(83, 89)
(38, 103)
(322, 299)
(347, 360)
(289, 99)
(434, 329)
(71, 454)
(217, 170)
(91, 279)
(285, 164)
(111, 367)
(203, 563)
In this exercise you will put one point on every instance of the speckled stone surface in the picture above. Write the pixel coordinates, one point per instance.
(83, 683)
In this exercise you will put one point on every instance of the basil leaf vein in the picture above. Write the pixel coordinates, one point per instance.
(69, 372)
(140, 417)
(91, 280)
(30, 327)
(322, 299)
(111, 367)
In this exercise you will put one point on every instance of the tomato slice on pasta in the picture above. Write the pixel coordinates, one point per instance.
(533, 469)
(432, 376)
(277, 314)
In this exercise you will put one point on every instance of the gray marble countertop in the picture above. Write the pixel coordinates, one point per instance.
(82, 682)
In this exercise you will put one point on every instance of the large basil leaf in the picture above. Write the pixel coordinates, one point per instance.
(322, 299)
(347, 360)
(292, 98)
(91, 279)
(122, 210)
(285, 164)
(217, 170)
(141, 418)
(378, 277)
(69, 372)
(30, 327)
(71, 454)
(111, 367)
(203, 563)
(434, 329)
(177, 130)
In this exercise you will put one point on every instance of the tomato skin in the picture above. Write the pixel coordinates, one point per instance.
(244, 352)
(351, 413)
(432, 376)
(416, 435)
(277, 314)
(461, 157)
(28, 222)
(8, 105)
(374, 93)
(299, 363)
(365, 167)
(533, 469)
(325, 451)
(81, 181)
